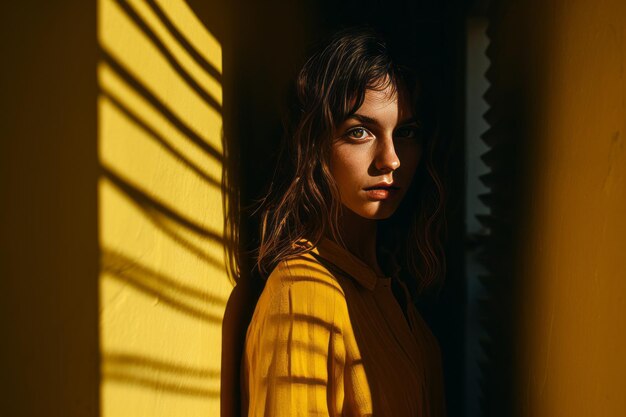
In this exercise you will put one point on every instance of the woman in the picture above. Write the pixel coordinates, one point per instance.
(335, 331)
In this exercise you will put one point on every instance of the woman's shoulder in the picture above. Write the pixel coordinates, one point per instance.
(304, 271)
(302, 287)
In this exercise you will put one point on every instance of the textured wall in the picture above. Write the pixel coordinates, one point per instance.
(163, 284)
(558, 99)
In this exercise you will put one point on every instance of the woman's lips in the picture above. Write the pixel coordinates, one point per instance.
(382, 193)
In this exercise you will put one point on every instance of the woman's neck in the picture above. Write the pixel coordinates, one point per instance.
(359, 236)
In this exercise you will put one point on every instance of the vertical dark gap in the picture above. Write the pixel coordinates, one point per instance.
(476, 233)
(497, 251)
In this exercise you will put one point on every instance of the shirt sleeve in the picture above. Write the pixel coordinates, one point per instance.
(294, 353)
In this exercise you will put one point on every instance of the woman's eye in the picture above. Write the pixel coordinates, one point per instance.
(407, 132)
(358, 133)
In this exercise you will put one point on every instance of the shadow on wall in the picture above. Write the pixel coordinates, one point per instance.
(163, 198)
(48, 244)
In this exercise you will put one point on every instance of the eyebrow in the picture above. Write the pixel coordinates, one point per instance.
(369, 120)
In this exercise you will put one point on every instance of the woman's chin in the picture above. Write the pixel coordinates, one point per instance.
(376, 212)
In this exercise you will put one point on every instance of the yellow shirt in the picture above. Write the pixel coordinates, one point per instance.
(328, 338)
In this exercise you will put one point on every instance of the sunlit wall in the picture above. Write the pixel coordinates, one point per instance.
(163, 283)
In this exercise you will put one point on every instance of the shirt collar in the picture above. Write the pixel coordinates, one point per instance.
(348, 263)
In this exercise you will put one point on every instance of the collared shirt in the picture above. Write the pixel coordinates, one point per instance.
(329, 338)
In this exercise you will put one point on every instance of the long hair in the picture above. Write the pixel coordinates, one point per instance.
(303, 200)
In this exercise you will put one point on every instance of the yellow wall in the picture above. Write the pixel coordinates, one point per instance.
(48, 210)
(568, 60)
(163, 283)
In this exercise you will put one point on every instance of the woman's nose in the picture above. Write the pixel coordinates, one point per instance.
(386, 158)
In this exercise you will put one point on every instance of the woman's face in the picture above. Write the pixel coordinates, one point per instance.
(375, 153)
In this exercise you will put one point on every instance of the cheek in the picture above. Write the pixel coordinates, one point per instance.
(345, 165)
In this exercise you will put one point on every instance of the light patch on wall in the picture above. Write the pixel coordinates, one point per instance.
(163, 280)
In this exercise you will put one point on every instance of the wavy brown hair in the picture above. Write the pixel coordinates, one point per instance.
(303, 200)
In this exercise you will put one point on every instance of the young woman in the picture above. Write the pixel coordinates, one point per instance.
(335, 331)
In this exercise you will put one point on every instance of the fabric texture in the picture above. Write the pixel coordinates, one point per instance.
(329, 338)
